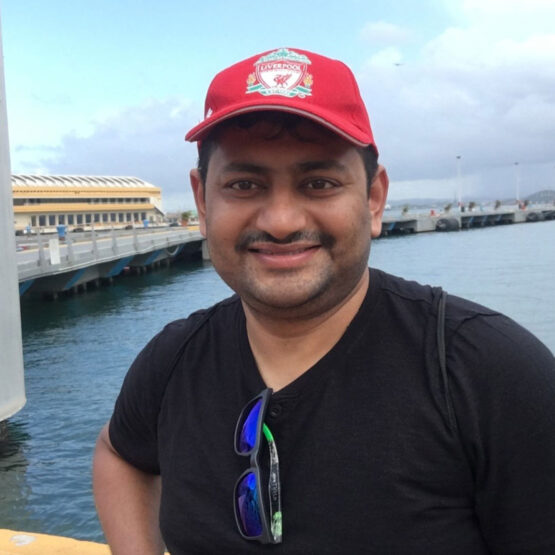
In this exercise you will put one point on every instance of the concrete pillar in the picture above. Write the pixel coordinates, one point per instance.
(69, 246)
(40, 242)
(114, 241)
(12, 390)
(94, 243)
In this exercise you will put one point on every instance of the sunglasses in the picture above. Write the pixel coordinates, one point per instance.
(254, 521)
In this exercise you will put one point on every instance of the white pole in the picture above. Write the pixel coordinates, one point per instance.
(459, 181)
(517, 182)
(12, 386)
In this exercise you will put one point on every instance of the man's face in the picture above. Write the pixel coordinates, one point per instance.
(289, 221)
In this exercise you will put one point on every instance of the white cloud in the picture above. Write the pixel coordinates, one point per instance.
(484, 89)
(381, 32)
(387, 57)
(144, 141)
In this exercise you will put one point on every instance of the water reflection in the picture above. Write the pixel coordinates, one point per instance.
(14, 489)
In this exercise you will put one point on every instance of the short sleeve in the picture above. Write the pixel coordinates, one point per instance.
(503, 388)
(133, 426)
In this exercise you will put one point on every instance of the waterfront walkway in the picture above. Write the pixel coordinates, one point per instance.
(405, 223)
(30, 543)
(52, 264)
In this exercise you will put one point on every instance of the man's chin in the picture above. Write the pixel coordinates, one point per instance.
(285, 303)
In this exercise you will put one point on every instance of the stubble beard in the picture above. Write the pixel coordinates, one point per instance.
(295, 294)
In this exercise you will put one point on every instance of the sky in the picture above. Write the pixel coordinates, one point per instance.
(460, 93)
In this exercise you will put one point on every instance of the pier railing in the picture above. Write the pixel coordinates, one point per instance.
(61, 263)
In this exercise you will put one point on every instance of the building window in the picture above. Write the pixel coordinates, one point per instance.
(70, 219)
(104, 217)
(143, 215)
(42, 221)
(62, 219)
(120, 217)
(112, 217)
(136, 216)
(51, 219)
(79, 218)
(33, 221)
(96, 218)
(128, 217)
(88, 218)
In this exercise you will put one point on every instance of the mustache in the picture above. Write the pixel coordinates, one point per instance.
(248, 238)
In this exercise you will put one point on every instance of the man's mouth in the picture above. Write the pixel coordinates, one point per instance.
(281, 250)
(296, 243)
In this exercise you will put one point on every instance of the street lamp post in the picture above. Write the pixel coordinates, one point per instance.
(517, 182)
(459, 182)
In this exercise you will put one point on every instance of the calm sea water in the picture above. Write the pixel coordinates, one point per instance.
(77, 351)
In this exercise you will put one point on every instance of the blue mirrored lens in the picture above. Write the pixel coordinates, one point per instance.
(247, 439)
(248, 509)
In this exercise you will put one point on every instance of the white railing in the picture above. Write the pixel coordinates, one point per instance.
(49, 255)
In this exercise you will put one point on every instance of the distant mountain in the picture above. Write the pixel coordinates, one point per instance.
(546, 196)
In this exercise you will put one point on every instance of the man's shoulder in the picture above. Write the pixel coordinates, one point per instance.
(160, 355)
(222, 313)
(402, 289)
(466, 322)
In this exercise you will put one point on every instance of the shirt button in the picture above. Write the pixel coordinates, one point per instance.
(275, 411)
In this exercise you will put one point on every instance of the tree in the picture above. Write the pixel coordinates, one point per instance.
(186, 216)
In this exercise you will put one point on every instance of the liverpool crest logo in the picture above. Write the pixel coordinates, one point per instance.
(283, 72)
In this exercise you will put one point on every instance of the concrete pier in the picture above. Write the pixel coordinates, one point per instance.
(49, 264)
(402, 224)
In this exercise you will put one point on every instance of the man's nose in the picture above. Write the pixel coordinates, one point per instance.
(282, 213)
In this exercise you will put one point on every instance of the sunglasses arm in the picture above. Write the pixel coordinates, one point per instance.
(274, 489)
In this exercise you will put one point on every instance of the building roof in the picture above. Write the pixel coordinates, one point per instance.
(79, 181)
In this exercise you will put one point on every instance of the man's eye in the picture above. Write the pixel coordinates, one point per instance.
(320, 184)
(243, 186)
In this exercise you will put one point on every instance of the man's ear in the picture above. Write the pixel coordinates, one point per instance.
(200, 200)
(377, 200)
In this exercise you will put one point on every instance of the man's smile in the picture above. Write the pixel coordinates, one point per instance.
(282, 250)
(290, 256)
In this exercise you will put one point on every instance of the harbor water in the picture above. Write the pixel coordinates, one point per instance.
(77, 350)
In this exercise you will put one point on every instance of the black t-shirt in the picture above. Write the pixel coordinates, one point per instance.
(370, 461)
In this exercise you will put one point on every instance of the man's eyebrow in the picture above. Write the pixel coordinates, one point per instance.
(246, 167)
(316, 165)
(302, 167)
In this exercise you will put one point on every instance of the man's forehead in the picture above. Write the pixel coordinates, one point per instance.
(245, 151)
(273, 125)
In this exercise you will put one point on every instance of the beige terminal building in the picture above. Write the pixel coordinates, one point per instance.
(79, 201)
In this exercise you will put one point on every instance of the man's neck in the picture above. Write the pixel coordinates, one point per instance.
(284, 349)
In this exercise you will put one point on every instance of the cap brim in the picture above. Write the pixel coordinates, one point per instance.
(351, 134)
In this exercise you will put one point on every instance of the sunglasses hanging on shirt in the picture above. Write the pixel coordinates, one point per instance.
(254, 520)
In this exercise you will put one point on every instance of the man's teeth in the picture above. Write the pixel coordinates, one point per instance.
(269, 251)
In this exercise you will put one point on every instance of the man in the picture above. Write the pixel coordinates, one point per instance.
(385, 445)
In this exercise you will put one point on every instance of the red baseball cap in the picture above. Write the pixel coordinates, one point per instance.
(294, 81)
